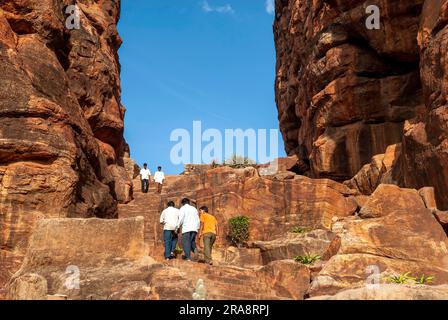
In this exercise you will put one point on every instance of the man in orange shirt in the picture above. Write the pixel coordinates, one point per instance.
(209, 230)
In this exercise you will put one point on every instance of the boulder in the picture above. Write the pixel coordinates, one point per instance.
(388, 198)
(317, 242)
(28, 287)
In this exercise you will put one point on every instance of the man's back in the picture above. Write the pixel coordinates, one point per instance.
(189, 219)
(170, 216)
(209, 222)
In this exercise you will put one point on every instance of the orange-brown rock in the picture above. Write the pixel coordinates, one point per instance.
(109, 258)
(343, 92)
(94, 259)
(323, 243)
(392, 292)
(61, 119)
(388, 198)
(379, 170)
(395, 235)
(274, 206)
(425, 141)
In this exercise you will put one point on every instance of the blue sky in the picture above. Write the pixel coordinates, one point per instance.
(192, 60)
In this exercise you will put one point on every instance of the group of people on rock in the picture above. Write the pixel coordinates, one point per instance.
(145, 176)
(190, 224)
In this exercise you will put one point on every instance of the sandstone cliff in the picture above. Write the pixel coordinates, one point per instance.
(61, 119)
(345, 93)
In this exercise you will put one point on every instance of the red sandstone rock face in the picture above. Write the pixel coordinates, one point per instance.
(426, 137)
(345, 93)
(61, 120)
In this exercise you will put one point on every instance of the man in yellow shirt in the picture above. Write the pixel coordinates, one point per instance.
(209, 230)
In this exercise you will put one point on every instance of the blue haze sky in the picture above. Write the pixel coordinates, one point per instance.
(188, 60)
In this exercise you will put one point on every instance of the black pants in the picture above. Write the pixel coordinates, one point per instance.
(145, 185)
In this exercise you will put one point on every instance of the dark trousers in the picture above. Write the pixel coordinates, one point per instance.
(145, 185)
(159, 187)
(209, 241)
(170, 239)
(189, 243)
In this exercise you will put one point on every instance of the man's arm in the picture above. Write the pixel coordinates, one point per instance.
(162, 218)
(181, 219)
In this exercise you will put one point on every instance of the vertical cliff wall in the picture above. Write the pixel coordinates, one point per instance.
(61, 118)
(345, 93)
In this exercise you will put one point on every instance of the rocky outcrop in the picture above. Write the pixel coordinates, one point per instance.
(394, 234)
(345, 93)
(61, 119)
(425, 140)
(391, 292)
(273, 206)
(93, 259)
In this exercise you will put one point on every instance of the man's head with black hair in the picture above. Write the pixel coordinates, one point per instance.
(170, 204)
(185, 201)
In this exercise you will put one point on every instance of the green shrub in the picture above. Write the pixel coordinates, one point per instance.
(400, 278)
(239, 230)
(424, 280)
(307, 260)
(301, 230)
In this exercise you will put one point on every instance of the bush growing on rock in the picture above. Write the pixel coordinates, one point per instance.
(300, 230)
(307, 260)
(239, 230)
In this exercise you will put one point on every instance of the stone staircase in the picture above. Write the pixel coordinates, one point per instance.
(222, 282)
(149, 205)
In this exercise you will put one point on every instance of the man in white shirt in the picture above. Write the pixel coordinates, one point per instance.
(145, 176)
(190, 223)
(159, 176)
(170, 220)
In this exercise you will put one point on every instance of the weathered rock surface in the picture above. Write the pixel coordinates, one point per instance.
(396, 234)
(61, 119)
(425, 143)
(345, 93)
(274, 206)
(317, 242)
(391, 292)
(94, 259)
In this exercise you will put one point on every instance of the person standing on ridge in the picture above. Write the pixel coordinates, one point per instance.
(190, 223)
(145, 176)
(208, 231)
(159, 177)
(170, 219)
